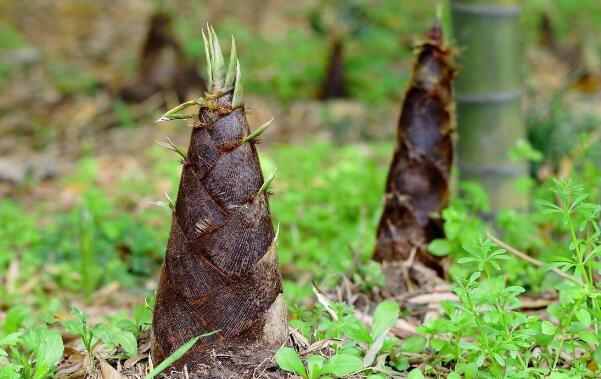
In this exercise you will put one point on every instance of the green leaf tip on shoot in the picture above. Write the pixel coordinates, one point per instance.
(267, 183)
(218, 80)
(230, 77)
(172, 114)
(217, 61)
(168, 204)
(208, 59)
(177, 354)
(439, 10)
(257, 133)
(169, 145)
(238, 96)
(216, 75)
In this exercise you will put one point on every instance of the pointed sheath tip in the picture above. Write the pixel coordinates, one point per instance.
(217, 59)
(258, 132)
(161, 119)
(208, 59)
(231, 70)
(267, 182)
(435, 32)
(439, 10)
(238, 96)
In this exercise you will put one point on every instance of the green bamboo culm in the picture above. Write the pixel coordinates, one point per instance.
(489, 97)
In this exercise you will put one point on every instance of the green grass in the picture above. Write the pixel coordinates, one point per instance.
(326, 201)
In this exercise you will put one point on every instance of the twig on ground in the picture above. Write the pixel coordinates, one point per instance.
(530, 259)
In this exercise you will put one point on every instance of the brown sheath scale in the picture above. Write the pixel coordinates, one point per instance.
(417, 188)
(221, 271)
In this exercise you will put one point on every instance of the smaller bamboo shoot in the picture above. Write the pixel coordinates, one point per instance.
(417, 188)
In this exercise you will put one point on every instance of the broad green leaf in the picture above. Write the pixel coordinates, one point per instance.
(48, 354)
(588, 337)
(414, 344)
(480, 360)
(385, 315)
(439, 247)
(315, 365)
(400, 364)
(342, 365)
(15, 317)
(10, 339)
(359, 332)
(127, 341)
(415, 374)
(499, 359)
(584, 317)
(475, 276)
(468, 346)
(289, 360)
(103, 332)
(548, 328)
(10, 371)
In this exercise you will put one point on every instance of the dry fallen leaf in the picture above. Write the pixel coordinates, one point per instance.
(107, 371)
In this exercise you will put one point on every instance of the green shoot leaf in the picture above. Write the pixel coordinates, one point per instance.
(343, 365)
(386, 314)
(177, 354)
(289, 360)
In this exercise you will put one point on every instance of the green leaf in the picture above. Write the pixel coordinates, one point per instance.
(468, 346)
(289, 360)
(48, 353)
(588, 337)
(15, 317)
(475, 276)
(315, 365)
(480, 360)
(373, 350)
(548, 328)
(415, 374)
(343, 365)
(584, 317)
(103, 332)
(414, 344)
(10, 372)
(10, 339)
(359, 332)
(177, 354)
(439, 247)
(499, 359)
(127, 340)
(385, 315)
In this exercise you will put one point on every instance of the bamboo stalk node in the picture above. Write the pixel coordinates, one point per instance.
(490, 97)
